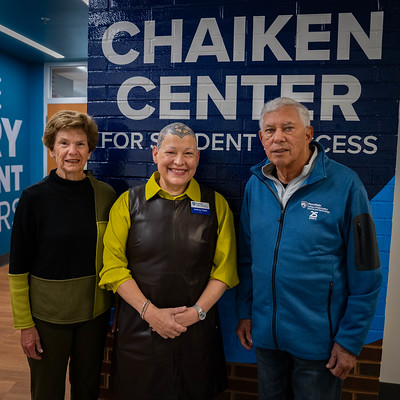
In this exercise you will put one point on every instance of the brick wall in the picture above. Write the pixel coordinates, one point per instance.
(120, 161)
(362, 383)
(105, 392)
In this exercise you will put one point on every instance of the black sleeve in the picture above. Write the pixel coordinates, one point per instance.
(22, 236)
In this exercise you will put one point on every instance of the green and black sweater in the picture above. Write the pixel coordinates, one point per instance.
(57, 251)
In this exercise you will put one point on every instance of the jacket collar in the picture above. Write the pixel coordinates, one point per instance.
(153, 188)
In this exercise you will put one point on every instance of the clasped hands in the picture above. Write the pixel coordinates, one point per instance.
(170, 322)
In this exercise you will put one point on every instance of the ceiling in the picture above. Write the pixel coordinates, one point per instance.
(61, 25)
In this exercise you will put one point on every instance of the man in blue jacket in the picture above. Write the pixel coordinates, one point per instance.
(309, 265)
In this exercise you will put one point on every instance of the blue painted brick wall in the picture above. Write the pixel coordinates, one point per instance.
(228, 171)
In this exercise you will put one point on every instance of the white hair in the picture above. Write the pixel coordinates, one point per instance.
(280, 102)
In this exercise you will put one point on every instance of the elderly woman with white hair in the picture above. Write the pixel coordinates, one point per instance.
(55, 258)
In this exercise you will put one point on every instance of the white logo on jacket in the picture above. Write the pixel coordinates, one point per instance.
(314, 209)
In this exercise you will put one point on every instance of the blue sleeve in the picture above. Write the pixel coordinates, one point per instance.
(244, 292)
(363, 272)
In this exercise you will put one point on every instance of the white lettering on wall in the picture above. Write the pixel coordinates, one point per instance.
(336, 143)
(371, 45)
(354, 144)
(108, 38)
(174, 41)
(258, 82)
(168, 97)
(123, 97)
(11, 133)
(304, 36)
(207, 90)
(6, 177)
(262, 38)
(288, 84)
(5, 212)
(344, 101)
(217, 48)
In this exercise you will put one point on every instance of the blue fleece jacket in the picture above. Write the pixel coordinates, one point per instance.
(309, 273)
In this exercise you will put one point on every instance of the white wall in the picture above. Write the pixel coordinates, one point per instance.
(390, 371)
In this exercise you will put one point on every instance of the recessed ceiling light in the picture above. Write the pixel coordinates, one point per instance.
(29, 42)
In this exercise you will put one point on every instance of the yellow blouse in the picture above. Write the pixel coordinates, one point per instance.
(115, 270)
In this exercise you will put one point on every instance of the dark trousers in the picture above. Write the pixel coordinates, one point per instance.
(82, 344)
(282, 376)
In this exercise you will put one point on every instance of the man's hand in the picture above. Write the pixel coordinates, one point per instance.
(243, 331)
(341, 361)
(30, 342)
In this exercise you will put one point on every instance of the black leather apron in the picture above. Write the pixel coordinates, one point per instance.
(170, 252)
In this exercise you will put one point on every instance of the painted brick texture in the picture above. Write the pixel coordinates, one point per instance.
(123, 157)
(113, 161)
(361, 384)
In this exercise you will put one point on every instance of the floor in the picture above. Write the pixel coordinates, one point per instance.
(14, 370)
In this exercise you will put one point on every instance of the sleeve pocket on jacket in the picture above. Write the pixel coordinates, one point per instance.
(366, 253)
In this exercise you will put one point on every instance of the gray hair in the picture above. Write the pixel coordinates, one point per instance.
(177, 129)
(280, 102)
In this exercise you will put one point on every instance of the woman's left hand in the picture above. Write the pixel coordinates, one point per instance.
(162, 321)
(30, 342)
(189, 317)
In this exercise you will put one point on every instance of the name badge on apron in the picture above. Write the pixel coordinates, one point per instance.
(199, 207)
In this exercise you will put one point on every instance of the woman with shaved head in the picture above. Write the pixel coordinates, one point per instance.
(170, 254)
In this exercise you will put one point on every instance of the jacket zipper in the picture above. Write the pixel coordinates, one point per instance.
(274, 266)
(278, 240)
(274, 277)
